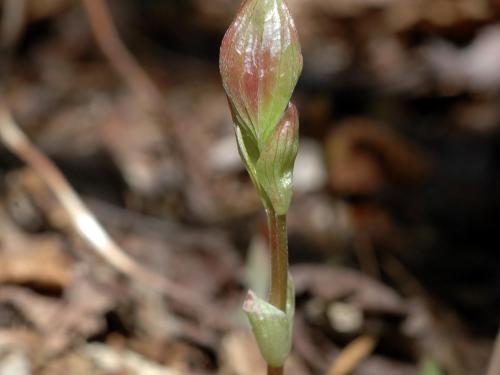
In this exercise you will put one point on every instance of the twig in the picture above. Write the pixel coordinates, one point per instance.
(494, 365)
(352, 355)
(119, 56)
(137, 79)
(81, 218)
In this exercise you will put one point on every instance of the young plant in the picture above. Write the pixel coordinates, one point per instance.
(260, 63)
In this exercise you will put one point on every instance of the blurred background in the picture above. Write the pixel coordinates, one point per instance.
(393, 240)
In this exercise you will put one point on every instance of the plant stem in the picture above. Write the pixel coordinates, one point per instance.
(279, 266)
(274, 371)
(279, 259)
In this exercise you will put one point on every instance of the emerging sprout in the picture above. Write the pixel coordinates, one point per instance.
(260, 63)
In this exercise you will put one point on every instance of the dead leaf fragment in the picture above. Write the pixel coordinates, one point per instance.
(41, 263)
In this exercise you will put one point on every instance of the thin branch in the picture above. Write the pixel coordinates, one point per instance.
(126, 65)
(83, 221)
(352, 355)
(121, 59)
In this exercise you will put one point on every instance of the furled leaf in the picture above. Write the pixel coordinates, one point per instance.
(275, 166)
(260, 63)
(272, 327)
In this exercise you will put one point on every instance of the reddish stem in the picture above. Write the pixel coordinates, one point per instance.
(274, 370)
(279, 259)
(279, 267)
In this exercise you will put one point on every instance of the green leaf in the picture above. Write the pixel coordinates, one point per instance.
(272, 327)
(274, 169)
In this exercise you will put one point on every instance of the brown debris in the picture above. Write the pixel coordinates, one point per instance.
(22, 267)
(59, 323)
(337, 283)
